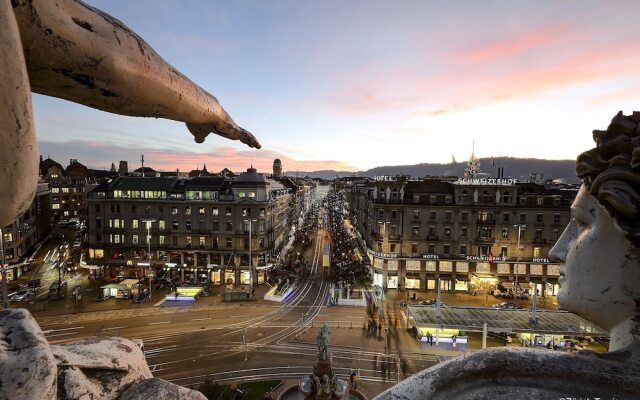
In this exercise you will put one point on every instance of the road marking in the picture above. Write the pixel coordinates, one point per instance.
(200, 319)
(158, 323)
(62, 334)
(159, 303)
(115, 327)
(62, 329)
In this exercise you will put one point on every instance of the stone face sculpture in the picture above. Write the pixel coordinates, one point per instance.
(600, 281)
(107, 368)
(73, 51)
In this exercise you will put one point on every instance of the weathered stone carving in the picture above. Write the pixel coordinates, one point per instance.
(107, 368)
(73, 51)
(600, 281)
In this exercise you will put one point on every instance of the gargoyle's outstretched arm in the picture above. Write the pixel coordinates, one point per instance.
(78, 53)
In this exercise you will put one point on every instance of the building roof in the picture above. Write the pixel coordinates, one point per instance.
(428, 186)
(48, 163)
(251, 178)
(139, 183)
(208, 182)
(472, 319)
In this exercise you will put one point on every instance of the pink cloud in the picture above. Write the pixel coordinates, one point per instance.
(513, 46)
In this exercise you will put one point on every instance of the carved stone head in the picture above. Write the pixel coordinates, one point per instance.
(599, 249)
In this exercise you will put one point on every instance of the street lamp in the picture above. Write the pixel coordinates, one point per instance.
(515, 286)
(250, 262)
(148, 223)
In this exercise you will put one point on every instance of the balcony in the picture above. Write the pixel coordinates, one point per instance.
(539, 240)
(489, 221)
(394, 238)
(486, 240)
(433, 237)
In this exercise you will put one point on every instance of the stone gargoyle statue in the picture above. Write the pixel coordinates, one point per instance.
(600, 281)
(70, 50)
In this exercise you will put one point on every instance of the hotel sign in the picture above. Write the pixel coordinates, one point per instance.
(430, 257)
(385, 178)
(487, 181)
(382, 255)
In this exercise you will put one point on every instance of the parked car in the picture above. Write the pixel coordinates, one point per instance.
(22, 294)
(506, 305)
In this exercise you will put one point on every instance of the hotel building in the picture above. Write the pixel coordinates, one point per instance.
(467, 234)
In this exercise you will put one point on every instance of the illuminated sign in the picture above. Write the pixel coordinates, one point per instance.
(487, 181)
(383, 255)
(430, 257)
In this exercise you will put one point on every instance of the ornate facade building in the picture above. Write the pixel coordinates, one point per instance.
(468, 234)
(204, 228)
(68, 187)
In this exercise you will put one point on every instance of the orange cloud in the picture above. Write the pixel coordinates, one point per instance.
(512, 46)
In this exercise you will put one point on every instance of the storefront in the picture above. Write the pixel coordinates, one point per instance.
(245, 277)
(392, 280)
(412, 281)
(229, 276)
(462, 285)
(378, 279)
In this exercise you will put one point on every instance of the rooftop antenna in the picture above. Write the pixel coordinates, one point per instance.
(142, 161)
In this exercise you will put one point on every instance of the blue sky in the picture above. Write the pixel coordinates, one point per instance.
(356, 84)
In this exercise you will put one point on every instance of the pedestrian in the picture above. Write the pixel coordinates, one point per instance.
(176, 294)
(355, 380)
(351, 375)
(453, 341)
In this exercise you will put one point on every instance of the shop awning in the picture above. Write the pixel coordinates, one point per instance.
(462, 278)
(129, 282)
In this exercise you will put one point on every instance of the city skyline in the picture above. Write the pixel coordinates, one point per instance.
(347, 87)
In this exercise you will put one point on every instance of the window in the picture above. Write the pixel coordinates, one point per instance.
(229, 242)
(55, 206)
(55, 190)
(392, 248)
(134, 224)
(537, 251)
(539, 218)
(506, 217)
(188, 241)
(416, 198)
(161, 224)
(202, 241)
(99, 238)
(201, 211)
(523, 201)
(505, 233)
(504, 251)
(431, 248)
(448, 199)
(174, 240)
(555, 234)
(8, 237)
(432, 231)
(262, 214)
(523, 218)
(261, 225)
(97, 208)
(98, 222)
(147, 209)
(229, 226)
(161, 239)
(246, 212)
(506, 197)
(463, 250)
(432, 199)
(134, 239)
(522, 234)
(252, 195)
(175, 225)
(134, 209)
(216, 226)
(414, 249)
(214, 211)
(556, 218)
(464, 217)
(432, 215)
(380, 213)
(540, 201)
(463, 231)
(447, 216)
(447, 232)
(228, 211)
(556, 201)
(161, 209)
(394, 214)
(174, 210)
(447, 249)
(187, 210)
(65, 190)
(416, 231)
(416, 214)
(538, 234)
(242, 194)
(188, 224)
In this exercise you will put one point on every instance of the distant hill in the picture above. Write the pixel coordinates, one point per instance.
(520, 168)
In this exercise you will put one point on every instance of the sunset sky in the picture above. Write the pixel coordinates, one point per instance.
(351, 85)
